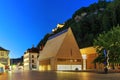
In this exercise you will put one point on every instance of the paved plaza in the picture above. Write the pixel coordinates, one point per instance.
(59, 75)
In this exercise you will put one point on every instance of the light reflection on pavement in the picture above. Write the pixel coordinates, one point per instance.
(59, 75)
(4, 76)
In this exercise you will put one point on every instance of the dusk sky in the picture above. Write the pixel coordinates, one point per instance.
(25, 22)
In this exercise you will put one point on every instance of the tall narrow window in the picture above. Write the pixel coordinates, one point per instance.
(32, 61)
(32, 56)
(2, 53)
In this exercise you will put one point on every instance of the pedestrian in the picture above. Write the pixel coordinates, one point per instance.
(106, 70)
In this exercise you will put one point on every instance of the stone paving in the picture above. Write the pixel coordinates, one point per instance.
(59, 75)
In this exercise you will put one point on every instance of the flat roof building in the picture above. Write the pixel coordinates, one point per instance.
(88, 55)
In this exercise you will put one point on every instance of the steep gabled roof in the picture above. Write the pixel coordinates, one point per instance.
(2, 49)
(53, 45)
(69, 48)
(61, 45)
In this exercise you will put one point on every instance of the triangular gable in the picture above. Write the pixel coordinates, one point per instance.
(53, 45)
(69, 48)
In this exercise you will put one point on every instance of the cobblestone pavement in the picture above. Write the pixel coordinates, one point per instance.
(59, 75)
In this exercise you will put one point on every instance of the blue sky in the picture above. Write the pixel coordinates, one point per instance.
(25, 22)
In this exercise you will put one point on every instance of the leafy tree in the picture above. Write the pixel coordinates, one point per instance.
(99, 17)
(109, 41)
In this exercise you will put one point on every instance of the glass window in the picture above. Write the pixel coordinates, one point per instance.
(32, 56)
(32, 61)
(2, 53)
(33, 66)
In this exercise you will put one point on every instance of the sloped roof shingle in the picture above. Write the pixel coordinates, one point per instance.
(52, 46)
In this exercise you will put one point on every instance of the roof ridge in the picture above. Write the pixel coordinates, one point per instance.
(1, 48)
(57, 34)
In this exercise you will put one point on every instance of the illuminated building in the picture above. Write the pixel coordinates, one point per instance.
(16, 63)
(61, 52)
(4, 58)
(30, 59)
(58, 26)
(88, 55)
(2, 68)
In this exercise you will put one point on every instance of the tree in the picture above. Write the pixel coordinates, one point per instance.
(88, 22)
(109, 41)
(43, 41)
